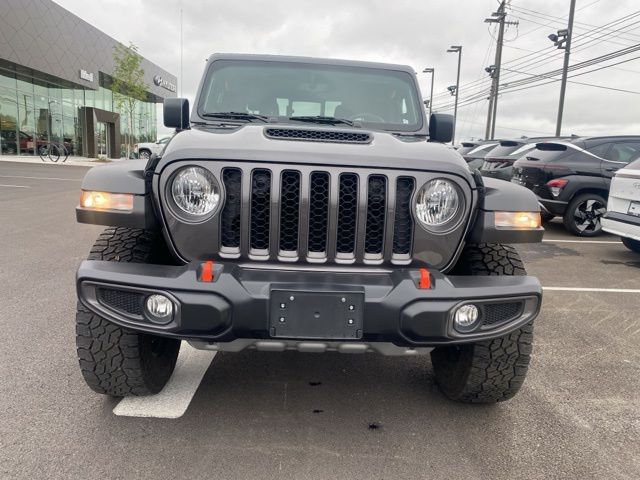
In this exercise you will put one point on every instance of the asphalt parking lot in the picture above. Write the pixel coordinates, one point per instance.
(292, 415)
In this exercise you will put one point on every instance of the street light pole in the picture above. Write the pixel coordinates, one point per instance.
(432, 71)
(456, 49)
(564, 36)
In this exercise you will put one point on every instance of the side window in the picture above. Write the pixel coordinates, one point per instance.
(624, 152)
(599, 150)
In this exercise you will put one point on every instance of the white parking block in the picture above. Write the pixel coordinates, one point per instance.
(175, 397)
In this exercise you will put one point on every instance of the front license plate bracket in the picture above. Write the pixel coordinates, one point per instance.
(316, 315)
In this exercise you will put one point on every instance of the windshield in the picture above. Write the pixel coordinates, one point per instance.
(372, 97)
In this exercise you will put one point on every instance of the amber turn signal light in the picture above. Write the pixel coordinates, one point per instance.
(518, 220)
(106, 201)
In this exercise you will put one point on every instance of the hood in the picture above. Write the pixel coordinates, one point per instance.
(249, 143)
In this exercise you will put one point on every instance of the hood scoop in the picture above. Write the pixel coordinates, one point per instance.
(313, 135)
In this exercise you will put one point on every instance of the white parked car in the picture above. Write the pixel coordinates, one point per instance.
(623, 208)
(145, 150)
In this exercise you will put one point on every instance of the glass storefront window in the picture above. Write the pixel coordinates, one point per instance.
(89, 98)
(99, 98)
(25, 85)
(108, 99)
(43, 121)
(34, 112)
(9, 138)
(26, 123)
(7, 79)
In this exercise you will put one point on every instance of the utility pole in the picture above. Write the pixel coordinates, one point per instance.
(455, 49)
(563, 41)
(432, 71)
(496, 17)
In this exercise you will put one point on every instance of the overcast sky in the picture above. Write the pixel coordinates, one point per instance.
(413, 32)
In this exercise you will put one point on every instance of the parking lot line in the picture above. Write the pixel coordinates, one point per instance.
(553, 240)
(14, 186)
(42, 178)
(175, 397)
(580, 289)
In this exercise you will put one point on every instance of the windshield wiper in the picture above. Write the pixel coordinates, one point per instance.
(322, 119)
(236, 116)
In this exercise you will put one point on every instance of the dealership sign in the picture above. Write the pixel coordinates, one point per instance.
(161, 82)
(88, 76)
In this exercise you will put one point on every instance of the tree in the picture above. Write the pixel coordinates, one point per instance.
(127, 85)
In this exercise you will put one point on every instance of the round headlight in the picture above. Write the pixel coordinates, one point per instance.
(195, 191)
(437, 203)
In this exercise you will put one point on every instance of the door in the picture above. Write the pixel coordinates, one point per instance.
(101, 139)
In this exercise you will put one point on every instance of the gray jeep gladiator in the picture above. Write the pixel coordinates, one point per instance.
(306, 204)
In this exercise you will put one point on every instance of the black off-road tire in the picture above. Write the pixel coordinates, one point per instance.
(631, 244)
(113, 360)
(491, 370)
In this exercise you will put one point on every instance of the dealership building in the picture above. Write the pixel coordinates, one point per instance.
(55, 85)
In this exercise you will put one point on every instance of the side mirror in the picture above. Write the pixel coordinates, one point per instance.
(440, 127)
(176, 113)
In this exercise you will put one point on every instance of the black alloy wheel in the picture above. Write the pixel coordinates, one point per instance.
(584, 213)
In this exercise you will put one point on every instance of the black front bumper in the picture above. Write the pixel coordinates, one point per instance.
(238, 303)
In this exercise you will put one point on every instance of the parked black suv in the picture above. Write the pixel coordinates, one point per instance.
(572, 178)
(498, 163)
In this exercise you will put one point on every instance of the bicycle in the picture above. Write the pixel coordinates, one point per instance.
(53, 151)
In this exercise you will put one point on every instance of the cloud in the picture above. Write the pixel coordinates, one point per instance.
(416, 33)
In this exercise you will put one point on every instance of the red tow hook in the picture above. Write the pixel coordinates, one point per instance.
(206, 271)
(425, 279)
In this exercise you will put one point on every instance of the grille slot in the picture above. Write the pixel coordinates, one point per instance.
(260, 209)
(376, 206)
(317, 135)
(230, 216)
(318, 212)
(347, 213)
(496, 313)
(127, 302)
(403, 223)
(289, 211)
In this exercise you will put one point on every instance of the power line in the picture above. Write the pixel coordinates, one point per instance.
(505, 90)
(548, 56)
(528, 11)
(476, 93)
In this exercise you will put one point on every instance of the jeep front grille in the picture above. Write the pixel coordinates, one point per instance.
(289, 214)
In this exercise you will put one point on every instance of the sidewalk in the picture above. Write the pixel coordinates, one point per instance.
(72, 161)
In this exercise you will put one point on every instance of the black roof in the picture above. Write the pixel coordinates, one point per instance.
(314, 60)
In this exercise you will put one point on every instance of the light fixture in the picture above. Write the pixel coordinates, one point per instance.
(159, 308)
(106, 201)
(466, 317)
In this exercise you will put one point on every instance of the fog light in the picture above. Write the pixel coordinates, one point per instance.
(466, 317)
(159, 308)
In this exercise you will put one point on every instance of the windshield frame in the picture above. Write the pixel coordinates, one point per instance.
(218, 61)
